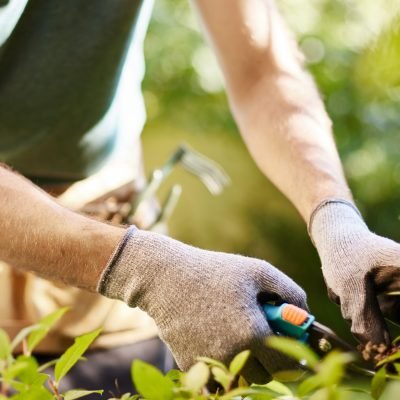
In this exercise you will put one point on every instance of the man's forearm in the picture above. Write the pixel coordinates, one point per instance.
(288, 133)
(274, 101)
(39, 235)
(285, 126)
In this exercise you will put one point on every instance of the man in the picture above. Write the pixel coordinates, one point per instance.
(68, 74)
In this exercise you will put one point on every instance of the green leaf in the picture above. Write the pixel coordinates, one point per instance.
(223, 377)
(73, 354)
(276, 387)
(238, 362)
(24, 367)
(150, 382)
(174, 374)
(197, 377)
(128, 396)
(45, 325)
(34, 393)
(22, 334)
(309, 385)
(247, 393)
(39, 379)
(263, 396)
(391, 391)
(395, 341)
(5, 347)
(242, 382)
(389, 359)
(77, 394)
(289, 375)
(397, 368)
(293, 348)
(377, 70)
(18, 386)
(212, 362)
(326, 394)
(332, 367)
(29, 373)
(378, 383)
(355, 390)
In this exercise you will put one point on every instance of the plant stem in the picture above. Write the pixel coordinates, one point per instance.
(3, 389)
(54, 388)
(25, 350)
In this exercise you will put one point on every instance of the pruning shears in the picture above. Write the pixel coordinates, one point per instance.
(292, 321)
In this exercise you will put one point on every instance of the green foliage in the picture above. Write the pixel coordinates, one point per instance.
(295, 349)
(323, 379)
(238, 362)
(22, 378)
(77, 394)
(38, 334)
(5, 346)
(196, 378)
(150, 382)
(378, 66)
(378, 384)
(73, 354)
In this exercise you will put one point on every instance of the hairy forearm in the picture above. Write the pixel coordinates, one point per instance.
(287, 131)
(274, 101)
(39, 235)
(284, 123)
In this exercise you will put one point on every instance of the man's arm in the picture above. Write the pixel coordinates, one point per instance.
(284, 124)
(175, 283)
(274, 101)
(39, 235)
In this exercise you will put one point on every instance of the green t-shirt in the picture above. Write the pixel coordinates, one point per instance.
(60, 68)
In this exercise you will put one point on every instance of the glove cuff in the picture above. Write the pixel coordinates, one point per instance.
(105, 282)
(331, 203)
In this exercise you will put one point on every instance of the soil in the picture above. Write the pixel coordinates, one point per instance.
(377, 352)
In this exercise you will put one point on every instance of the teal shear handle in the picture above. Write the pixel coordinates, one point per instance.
(289, 320)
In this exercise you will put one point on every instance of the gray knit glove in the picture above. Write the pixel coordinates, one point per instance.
(204, 303)
(358, 267)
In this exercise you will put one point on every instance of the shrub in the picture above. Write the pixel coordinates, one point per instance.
(22, 378)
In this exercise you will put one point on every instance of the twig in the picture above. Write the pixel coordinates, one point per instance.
(54, 388)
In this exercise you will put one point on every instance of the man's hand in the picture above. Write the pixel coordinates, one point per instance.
(358, 266)
(204, 303)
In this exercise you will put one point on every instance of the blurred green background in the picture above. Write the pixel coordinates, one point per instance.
(353, 51)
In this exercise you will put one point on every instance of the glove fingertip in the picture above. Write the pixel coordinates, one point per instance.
(370, 327)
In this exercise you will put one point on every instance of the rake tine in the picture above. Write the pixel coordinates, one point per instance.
(209, 172)
(213, 184)
(214, 178)
(175, 158)
(157, 177)
(169, 205)
(214, 173)
(148, 192)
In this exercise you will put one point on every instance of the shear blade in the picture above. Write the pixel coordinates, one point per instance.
(323, 340)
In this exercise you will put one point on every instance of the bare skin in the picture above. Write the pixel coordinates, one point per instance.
(274, 101)
(39, 235)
